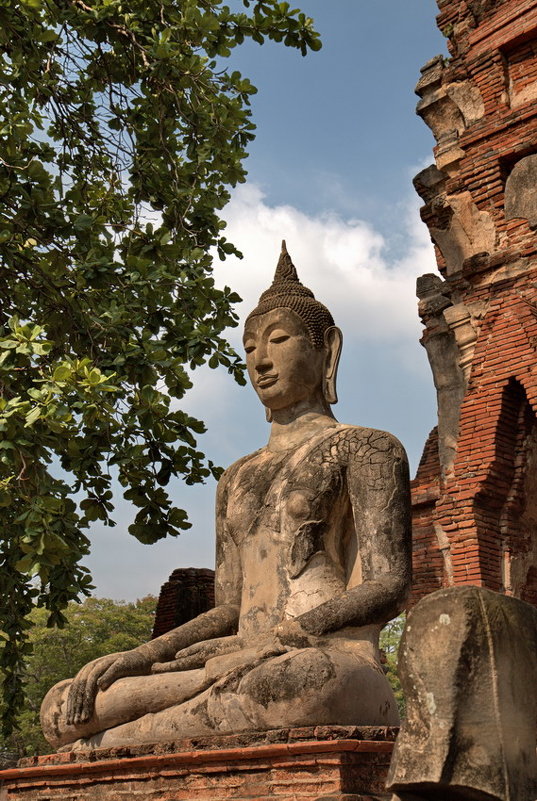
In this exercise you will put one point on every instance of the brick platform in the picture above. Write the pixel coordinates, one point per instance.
(322, 764)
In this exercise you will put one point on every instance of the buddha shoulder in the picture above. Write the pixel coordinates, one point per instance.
(347, 444)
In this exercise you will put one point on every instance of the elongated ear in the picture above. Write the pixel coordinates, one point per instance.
(333, 341)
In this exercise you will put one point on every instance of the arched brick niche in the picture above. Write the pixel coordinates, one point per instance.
(518, 515)
(504, 505)
(476, 522)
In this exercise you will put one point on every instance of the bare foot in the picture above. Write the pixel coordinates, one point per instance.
(77, 745)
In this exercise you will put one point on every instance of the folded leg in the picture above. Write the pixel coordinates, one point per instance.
(304, 687)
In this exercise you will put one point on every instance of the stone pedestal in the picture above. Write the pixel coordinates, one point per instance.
(323, 764)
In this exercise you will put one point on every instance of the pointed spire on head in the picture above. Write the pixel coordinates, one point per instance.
(285, 281)
(285, 269)
(287, 292)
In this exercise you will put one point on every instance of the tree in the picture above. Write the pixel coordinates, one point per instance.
(390, 637)
(122, 131)
(95, 628)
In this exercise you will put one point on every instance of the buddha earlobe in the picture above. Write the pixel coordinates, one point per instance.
(268, 414)
(333, 341)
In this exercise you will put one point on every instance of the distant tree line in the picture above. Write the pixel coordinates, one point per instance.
(94, 628)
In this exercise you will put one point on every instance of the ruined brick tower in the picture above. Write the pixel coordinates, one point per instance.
(475, 493)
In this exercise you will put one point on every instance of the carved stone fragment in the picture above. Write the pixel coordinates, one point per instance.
(444, 358)
(459, 320)
(521, 191)
(429, 182)
(447, 107)
(470, 231)
(468, 667)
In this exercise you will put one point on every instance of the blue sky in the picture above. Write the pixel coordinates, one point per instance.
(337, 145)
(337, 129)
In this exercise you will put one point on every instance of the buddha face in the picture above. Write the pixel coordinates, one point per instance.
(283, 366)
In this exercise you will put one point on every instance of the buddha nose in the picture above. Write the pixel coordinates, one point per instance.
(262, 361)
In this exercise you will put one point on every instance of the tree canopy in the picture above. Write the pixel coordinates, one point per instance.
(390, 639)
(122, 131)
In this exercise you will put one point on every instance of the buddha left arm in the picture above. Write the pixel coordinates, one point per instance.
(378, 486)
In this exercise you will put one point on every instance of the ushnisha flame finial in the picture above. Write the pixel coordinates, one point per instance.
(285, 269)
(286, 280)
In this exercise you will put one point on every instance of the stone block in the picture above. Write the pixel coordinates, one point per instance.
(468, 667)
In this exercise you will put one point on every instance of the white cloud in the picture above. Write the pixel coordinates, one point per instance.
(348, 266)
(344, 262)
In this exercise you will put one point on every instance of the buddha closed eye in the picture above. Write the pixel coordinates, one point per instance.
(278, 336)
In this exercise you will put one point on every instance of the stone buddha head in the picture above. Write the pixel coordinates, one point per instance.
(292, 345)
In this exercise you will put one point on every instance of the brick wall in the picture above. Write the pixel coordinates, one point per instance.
(475, 495)
(188, 592)
(333, 762)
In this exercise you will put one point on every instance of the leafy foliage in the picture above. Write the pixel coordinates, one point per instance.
(390, 637)
(121, 133)
(97, 627)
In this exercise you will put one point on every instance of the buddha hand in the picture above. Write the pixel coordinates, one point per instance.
(196, 655)
(99, 675)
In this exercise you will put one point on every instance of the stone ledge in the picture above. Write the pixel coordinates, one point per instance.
(334, 764)
(310, 734)
(196, 758)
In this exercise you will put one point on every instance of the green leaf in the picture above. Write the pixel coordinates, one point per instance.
(6, 498)
(33, 415)
(62, 373)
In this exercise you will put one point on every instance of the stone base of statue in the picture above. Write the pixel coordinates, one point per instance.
(326, 763)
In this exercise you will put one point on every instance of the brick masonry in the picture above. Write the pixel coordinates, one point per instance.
(188, 592)
(475, 492)
(326, 763)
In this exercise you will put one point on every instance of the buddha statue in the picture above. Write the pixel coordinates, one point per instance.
(313, 558)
